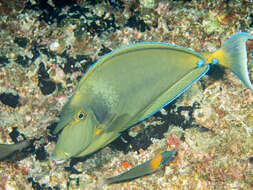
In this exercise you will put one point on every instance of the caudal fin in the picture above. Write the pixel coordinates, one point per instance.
(233, 55)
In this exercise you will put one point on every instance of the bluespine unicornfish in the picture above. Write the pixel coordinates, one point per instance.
(144, 169)
(132, 83)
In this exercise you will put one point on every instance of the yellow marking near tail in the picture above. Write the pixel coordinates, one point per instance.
(220, 55)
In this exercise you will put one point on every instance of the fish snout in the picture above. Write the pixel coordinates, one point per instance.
(58, 160)
(60, 156)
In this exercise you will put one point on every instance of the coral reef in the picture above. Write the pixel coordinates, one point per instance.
(47, 46)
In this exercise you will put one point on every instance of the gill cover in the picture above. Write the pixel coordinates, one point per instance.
(75, 136)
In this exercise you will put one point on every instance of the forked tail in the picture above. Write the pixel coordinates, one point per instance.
(233, 55)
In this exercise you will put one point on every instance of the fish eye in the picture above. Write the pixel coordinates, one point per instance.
(80, 115)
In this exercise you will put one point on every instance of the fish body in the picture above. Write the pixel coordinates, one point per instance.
(144, 169)
(132, 83)
(8, 149)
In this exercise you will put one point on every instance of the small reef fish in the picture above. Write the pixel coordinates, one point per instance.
(144, 169)
(7, 150)
(132, 83)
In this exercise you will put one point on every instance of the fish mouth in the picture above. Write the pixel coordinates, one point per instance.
(73, 139)
(60, 157)
(58, 160)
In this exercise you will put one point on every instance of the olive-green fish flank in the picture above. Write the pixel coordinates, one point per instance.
(132, 83)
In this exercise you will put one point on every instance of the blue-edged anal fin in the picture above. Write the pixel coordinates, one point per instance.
(172, 93)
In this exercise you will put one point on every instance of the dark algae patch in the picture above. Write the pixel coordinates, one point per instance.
(216, 72)
(22, 42)
(3, 61)
(22, 60)
(47, 86)
(9, 99)
(14, 134)
(135, 22)
(50, 12)
(53, 13)
(37, 186)
(70, 64)
(143, 139)
(41, 153)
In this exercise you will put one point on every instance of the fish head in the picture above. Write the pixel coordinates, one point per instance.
(76, 129)
(167, 156)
